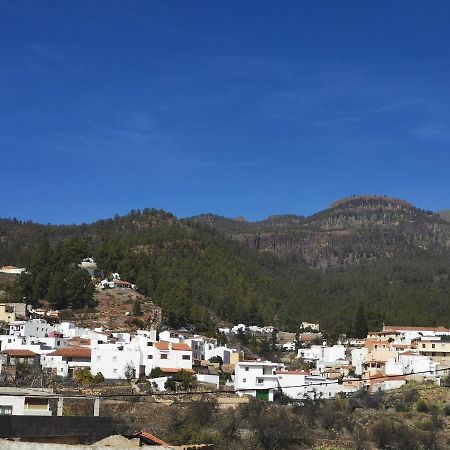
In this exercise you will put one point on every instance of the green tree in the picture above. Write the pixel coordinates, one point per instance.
(181, 381)
(156, 372)
(360, 325)
(57, 291)
(79, 289)
(137, 308)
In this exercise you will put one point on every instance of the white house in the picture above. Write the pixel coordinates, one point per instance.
(13, 270)
(88, 264)
(240, 328)
(168, 356)
(309, 325)
(114, 360)
(256, 378)
(31, 328)
(359, 356)
(408, 334)
(25, 402)
(65, 361)
(415, 363)
(322, 353)
(299, 385)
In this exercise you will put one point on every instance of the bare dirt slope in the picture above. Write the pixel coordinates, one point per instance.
(112, 308)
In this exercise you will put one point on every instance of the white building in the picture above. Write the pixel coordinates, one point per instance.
(322, 353)
(359, 357)
(289, 346)
(25, 402)
(115, 360)
(168, 356)
(13, 270)
(65, 361)
(31, 328)
(300, 385)
(256, 378)
(408, 334)
(311, 326)
(88, 264)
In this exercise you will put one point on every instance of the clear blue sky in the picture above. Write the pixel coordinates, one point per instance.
(236, 107)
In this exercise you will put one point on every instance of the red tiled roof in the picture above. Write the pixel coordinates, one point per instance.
(72, 352)
(161, 345)
(19, 353)
(150, 437)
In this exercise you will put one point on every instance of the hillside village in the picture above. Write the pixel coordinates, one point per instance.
(38, 344)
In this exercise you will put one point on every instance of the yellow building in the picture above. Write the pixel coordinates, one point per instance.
(439, 351)
(7, 313)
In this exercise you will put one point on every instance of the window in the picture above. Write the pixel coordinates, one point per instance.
(246, 369)
(150, 356)
(114, 358)
(423, 345)
(433, 346)
(244, 380)
(114, 370)
(5, 410)
(163, 356)
(186, 356)
(260, 381)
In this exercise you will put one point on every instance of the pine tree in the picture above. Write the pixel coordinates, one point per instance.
(360, 328)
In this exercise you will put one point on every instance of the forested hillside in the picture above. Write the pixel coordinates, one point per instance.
(351, 231)
(382, 253)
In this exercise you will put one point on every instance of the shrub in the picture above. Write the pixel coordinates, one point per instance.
(395, 435)
(421, 406)
(181, 381)
(447, 410)
(410, 396)
(84, 376)
(99, 378)
(156, 372)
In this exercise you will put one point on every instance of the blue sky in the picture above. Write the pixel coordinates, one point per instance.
(237, 108)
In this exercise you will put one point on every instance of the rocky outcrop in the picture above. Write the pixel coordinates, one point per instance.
(351, 230)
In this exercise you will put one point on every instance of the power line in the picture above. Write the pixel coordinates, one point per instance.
(233, 391)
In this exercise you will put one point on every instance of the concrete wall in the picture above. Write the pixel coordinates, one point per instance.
(86, 429)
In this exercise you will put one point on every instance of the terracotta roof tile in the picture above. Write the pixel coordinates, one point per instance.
(72, 352)
(162, 345)
(150, 437)
(19, 353)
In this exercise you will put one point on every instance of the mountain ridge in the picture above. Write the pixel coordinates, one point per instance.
(352, 229)
(392, 257)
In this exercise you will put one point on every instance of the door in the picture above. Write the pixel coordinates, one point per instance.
(262, 394)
